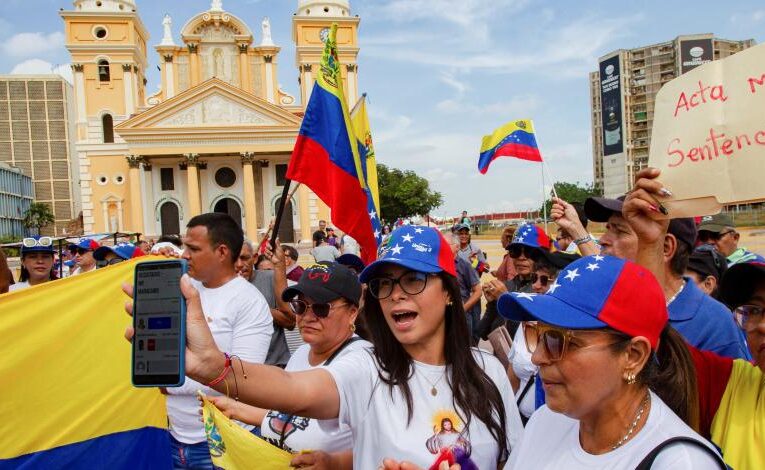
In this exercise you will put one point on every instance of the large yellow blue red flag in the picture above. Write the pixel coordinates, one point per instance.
(66, 399)
(233, 447)
(326, 156)
(363, 134)
(514, 139)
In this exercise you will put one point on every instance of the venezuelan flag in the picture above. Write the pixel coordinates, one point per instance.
(326, 156)
(363, 133)
(514, 139)
(66, 399)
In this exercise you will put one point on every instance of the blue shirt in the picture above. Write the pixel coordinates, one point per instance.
(706, 323)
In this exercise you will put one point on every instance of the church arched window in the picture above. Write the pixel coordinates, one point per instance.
(107, 122)
(103, 70)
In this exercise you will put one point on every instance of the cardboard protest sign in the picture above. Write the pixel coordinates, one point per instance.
(708, 135)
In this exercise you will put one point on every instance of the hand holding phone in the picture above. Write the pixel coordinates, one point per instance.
(159, 323)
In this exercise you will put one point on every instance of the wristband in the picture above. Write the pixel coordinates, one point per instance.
(223, 374)
(583, 240)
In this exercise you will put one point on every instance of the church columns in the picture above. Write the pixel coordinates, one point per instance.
(136, 195)
(270, 96)
(79, 93)
(195, 70)
(305, 213)
(192, 184)
(250, 205)
(169, 76)
(307, 81)
(351, 79)
(127, 81)
(244, 69)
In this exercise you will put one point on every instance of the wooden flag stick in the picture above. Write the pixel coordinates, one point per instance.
(286, 196)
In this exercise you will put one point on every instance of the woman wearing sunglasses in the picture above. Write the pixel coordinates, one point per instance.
(36, 263)
(619, 382)
(397, 398)
(325, 302)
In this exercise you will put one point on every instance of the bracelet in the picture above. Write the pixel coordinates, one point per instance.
(223, 374)
(583, 240)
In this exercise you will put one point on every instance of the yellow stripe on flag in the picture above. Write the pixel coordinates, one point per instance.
(363, 132)
(233, 447)
(491, 141)
(65, 364)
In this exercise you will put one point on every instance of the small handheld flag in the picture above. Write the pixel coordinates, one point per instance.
(514, 139)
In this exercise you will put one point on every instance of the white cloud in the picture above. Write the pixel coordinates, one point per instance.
(522, 105)
(451, 80)
(39, 66)
(32, 44)
(439, 174)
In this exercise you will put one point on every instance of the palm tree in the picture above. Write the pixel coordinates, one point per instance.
(38, 215)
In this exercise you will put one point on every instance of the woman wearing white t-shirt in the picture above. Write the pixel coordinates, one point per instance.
(421, 374)
(615, 374)
(36, 263)
(326, 312)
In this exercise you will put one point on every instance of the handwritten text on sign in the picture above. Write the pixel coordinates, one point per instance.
(708, 134)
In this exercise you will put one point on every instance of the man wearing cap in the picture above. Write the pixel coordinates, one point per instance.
(721, 232)
(467, 250)
(83, 255)
(704, 322)
(706, 267)
(108, 255)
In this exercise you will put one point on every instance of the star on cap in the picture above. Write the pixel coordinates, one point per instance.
(593, 266)
(418, 230)
(519, 239)
(397, 249)
(598, 258)
(524, 295)
(572, 274)
(407, 238)
(553, 287)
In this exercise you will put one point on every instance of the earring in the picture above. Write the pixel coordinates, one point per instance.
(352, 327)
(449, 303)
(630, 379)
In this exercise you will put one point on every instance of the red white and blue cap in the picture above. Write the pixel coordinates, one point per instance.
(531, 236)
(123, 250)
(85, 244)
(596, 292)
(416, 247)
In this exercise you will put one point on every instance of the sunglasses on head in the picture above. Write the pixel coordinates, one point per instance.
(321, 310)
(42, 241)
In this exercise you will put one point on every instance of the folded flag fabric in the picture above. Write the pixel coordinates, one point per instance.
(326, 156)
(514, 139)
(66, 399)
(233, 447)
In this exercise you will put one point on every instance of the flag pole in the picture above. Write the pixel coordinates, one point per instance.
(544, 199)
(286, 196)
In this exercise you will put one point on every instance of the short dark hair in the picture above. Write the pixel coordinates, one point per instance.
(291, 252)
(171, 239)
(221, 230)
(679, 262)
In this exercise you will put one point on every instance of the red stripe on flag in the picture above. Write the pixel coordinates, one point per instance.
(524, 152)
(338, 189)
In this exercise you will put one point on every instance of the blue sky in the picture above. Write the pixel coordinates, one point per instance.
(442, 73)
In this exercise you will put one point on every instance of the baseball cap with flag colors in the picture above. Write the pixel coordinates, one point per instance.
(532, 236)
(85, 244)
(418, 248)
(593, 293)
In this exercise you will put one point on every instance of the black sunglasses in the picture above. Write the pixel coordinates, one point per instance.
(80, 251)
(321, 310)
(543, 279)
(517, 250)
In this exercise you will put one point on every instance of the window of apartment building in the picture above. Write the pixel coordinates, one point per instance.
(166, 179)
(103, 70)
(281, 174)
(107, 122)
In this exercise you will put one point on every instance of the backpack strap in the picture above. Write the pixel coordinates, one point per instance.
(647, 462)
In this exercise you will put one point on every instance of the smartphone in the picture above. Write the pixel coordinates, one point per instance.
(159, 321)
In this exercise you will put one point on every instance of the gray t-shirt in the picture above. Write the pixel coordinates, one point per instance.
(278, 352)
(325, 253)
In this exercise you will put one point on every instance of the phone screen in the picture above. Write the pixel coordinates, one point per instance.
(158, 319)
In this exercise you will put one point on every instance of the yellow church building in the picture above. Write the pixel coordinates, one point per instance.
(216, 137)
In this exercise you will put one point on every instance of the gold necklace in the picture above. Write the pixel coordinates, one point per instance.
(433, 389)
(635, 422)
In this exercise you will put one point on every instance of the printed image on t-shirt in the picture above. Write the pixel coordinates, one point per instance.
(284, 424)
(449, 440)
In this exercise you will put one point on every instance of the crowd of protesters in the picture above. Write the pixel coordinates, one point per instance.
(643, 348)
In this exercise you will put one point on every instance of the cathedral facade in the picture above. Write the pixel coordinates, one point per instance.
(217, 135)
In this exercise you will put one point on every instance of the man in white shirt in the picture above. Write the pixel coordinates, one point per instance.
(237, 314)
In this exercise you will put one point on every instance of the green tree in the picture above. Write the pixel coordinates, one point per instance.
(572, 193)
(38, 215)
(403, 194)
